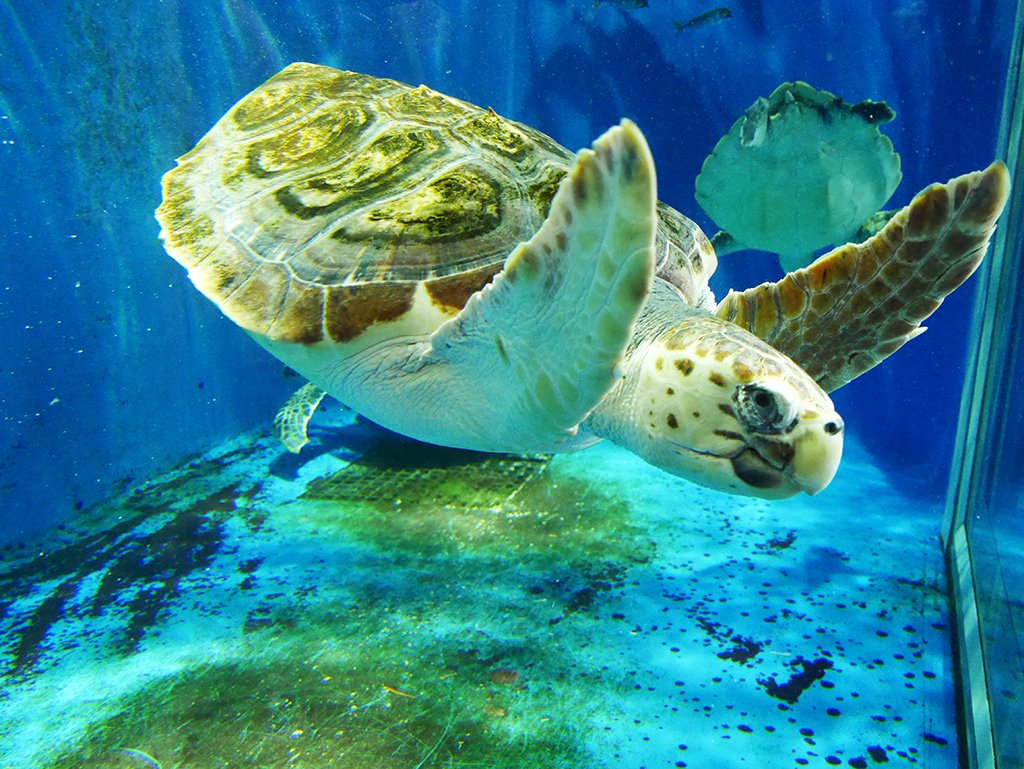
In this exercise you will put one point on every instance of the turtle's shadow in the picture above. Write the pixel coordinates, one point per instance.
(360, 439)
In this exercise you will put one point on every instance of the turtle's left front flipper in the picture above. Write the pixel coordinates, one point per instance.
(858, 304)
(535, 351)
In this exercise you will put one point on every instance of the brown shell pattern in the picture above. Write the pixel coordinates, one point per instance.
(321, 201)
(858, 304)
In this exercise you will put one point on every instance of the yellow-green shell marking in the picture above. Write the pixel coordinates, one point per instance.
(326, 202)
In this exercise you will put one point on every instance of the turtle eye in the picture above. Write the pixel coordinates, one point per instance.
(763, 411)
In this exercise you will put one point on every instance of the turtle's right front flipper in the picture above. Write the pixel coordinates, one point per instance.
(538, 348)
(858, 304)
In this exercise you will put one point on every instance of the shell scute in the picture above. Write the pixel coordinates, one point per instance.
(491, 130)
(462, 203)
(302, 303)
(315, 142)
(427, 105)
(290, 94)
(351, 310)
(451, 292)
(543, 188)
(381, 164)
(260, 297)
(327, 203)
(186, 224)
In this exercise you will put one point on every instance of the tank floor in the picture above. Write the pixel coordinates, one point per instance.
(374, 603)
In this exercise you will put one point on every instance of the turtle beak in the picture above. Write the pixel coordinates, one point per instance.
(817, 450)
(804, 460)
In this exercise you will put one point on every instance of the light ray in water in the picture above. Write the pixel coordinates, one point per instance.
(25, 40)
(253, 18)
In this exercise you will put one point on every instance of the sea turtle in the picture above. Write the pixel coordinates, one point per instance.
(798, 171)
(465, 280)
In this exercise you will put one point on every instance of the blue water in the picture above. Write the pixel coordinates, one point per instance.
(114, 369)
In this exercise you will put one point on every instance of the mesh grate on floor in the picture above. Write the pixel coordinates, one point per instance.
(410, 473)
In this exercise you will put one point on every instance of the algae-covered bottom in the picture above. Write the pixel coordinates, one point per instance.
(379, 604)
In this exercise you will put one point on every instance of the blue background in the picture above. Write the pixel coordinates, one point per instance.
(113, 367)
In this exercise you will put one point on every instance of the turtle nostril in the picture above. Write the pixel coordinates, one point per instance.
(833, 427)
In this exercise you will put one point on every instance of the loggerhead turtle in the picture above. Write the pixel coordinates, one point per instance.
(464, 280)
(798, 171)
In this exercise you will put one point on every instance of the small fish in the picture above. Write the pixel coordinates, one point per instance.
(704, 20)
(623, 3)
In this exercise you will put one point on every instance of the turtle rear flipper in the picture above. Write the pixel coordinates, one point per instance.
(291, 421)
(858, 304)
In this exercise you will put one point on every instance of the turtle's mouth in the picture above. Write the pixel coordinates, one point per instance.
(777, 469)
(765, 467)
(757, 475)
(751, 468)
(806, 462)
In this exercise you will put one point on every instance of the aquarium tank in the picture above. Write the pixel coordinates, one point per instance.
(392, 427)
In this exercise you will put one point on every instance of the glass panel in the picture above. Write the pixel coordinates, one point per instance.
(986, 500)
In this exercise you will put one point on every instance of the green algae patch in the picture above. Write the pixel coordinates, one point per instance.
(417, 608)
(359, 711)
(427, 499)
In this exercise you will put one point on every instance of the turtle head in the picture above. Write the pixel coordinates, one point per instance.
(716, 405)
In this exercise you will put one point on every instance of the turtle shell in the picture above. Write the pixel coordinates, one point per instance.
(799, 170)
(327, 202)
